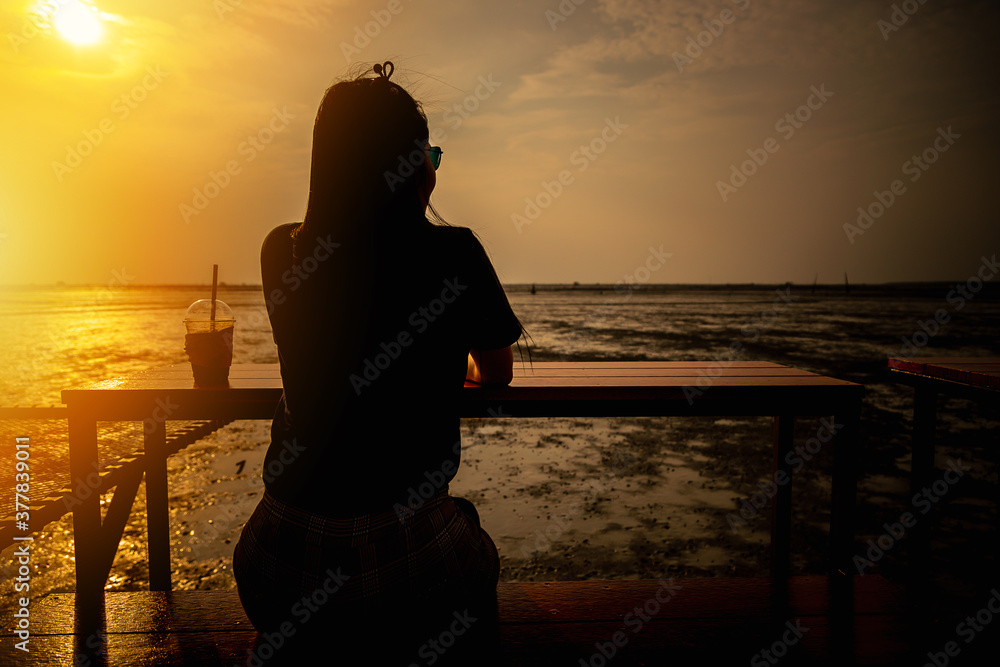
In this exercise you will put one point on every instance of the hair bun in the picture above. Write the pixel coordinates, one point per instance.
(384, 70)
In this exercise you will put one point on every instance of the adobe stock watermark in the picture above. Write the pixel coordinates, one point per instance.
(291, 279)
(704, 39)
(120, 279)
(760, 324)
(84, 487)
(786, 126)
(560, 524)
(623, 290)
(433, 649)
(781, 646)
(269, 643)
(365, 34)
(968, 629)
(38, 22)
(591, 495)
(797, 459)
(922, 500)
(562, 12)
(435, 481)
(223, 7)
(407, 164)
(634, 620)
(581, 158)
(290, 451)
(898, 17)
(630, 282)
(301, 271)
(914, 168)
(459, 112)
(248, 149)
(121, 109)
(420, 320)
(956, 297)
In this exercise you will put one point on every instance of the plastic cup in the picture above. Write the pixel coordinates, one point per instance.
(209, 343)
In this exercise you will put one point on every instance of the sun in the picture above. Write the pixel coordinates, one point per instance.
(78, 23)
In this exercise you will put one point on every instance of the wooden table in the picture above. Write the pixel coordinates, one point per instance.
(967, 377)
(977, 378)
(544, 389)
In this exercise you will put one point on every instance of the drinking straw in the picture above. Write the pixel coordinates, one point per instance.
(215, 282)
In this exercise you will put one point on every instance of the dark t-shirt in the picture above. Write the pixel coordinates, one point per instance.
(373, 347)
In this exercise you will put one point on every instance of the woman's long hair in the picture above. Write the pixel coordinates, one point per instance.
(367, 161)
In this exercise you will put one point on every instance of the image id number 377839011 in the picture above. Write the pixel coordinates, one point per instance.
(22, 557)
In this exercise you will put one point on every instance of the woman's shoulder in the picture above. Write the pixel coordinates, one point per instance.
(276, 252)
(279, 237)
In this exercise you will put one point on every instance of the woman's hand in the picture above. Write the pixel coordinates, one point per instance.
(491, 366)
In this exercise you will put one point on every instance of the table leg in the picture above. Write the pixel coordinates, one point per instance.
(157, 508)
(86, 503)
(781, 508)
(846, 450)
(922, 472)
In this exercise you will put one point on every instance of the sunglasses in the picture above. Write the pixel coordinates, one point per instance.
(435, 153)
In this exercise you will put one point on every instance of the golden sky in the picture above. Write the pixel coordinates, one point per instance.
(581, 138)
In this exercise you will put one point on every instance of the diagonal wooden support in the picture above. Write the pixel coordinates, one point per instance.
(115, 519)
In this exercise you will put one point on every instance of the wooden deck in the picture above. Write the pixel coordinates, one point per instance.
(699, 621)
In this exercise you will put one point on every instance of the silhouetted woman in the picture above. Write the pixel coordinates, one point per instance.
(379, 316)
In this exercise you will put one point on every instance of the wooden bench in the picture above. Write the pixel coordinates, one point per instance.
(701, 621)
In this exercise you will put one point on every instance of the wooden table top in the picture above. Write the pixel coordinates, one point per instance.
(539, 389)
(973, 371)
(539, 374)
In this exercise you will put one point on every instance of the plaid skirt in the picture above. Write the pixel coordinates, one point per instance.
(293, 566)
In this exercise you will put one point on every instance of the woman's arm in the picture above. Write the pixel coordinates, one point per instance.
(491, 366)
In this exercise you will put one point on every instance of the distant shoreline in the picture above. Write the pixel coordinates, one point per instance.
(654, 288)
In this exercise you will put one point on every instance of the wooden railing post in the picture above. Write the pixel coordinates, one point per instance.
(846, 469)
(86, 517)
(157, 504)
(781, 508)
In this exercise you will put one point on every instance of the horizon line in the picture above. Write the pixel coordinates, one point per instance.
(621, 286)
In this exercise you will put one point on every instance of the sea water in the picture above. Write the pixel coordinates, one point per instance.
(56, 338)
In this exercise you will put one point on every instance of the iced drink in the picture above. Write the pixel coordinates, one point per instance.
(209, 342)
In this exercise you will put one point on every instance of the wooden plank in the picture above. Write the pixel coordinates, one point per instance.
(984, 366)
(692, 380)
(270, 371)
(946, 372)
(266, 369)
(881, 641)
(708, 620)
(944, 360)
(519, 603)
(973, 372)
(877, 640)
